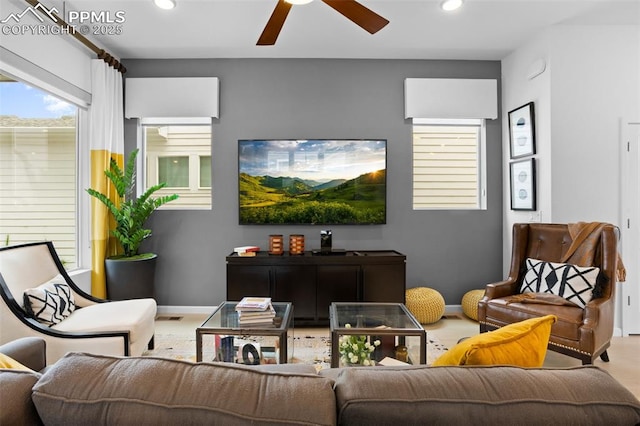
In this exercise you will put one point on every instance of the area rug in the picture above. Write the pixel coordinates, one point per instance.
(305, 346)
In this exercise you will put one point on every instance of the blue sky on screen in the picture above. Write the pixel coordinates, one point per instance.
(28, 102)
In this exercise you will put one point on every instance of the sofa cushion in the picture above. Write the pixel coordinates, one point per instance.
(523, 344)
(486, 395)
(573, 283)
(51, 302)
(16, 407)
(113, 390)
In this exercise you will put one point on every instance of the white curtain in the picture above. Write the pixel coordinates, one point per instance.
(106, 133)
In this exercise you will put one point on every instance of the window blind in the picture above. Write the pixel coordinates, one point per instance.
(445, 167)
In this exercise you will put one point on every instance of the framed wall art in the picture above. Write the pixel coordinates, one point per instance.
(522, 135)
(523, 184)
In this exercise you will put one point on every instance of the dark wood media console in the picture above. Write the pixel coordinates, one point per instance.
(312, 281)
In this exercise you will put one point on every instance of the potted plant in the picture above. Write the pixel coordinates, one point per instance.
(130, 275)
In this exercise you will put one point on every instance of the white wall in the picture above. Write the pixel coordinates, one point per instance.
(591, 82)
(595, 77)
(517, 90)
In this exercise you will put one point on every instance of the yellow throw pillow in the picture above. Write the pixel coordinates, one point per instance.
(523, 344)
(8, 362)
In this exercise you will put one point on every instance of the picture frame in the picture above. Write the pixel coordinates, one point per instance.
(522, 176)
(522, 134)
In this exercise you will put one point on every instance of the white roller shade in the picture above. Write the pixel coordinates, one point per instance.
(171, 97)
(450, 98)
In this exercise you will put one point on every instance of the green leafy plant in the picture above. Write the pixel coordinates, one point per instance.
(130, 213)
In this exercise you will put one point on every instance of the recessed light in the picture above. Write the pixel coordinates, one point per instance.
(298, 1)
(165, 4)
(450, 5)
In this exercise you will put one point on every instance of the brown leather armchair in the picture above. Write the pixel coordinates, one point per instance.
(580, 333)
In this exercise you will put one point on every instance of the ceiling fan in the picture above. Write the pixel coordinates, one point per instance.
(351, 9)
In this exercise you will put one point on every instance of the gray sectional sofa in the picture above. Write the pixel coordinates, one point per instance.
(103, 390)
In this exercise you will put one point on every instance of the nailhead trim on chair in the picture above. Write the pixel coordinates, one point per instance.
(570, 348)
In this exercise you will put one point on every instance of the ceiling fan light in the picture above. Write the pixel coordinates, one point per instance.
(450, 5)
(298, 1)
(165, 4)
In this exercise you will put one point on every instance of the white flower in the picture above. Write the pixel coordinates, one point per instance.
(377, 343)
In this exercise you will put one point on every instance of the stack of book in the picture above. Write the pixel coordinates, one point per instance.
(255, 311)
(246, 250)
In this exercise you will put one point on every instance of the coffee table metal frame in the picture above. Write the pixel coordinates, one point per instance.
(366, 313)
(225, 319)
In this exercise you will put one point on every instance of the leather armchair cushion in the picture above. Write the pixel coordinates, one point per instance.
(569, 318)
(522, 344)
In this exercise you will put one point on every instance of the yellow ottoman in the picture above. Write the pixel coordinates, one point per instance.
(426, 304)
(470, 303)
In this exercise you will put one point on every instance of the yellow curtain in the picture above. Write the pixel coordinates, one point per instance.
(103, 244)
(106, 133)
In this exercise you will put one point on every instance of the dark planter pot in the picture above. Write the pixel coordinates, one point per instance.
(130, 278)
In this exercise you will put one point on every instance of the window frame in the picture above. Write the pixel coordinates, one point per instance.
(45, 82)
(481, 159)
(142, 166)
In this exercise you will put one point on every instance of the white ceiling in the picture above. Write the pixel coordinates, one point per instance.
(418, 29)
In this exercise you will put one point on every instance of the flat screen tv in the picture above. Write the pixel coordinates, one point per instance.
(315, 181)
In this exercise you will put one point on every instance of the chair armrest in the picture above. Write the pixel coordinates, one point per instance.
(28, 351)
(597, 309)
(500, 289)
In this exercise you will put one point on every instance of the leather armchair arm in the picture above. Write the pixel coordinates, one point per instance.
(28, 351)
(500, 289)
(597, 309)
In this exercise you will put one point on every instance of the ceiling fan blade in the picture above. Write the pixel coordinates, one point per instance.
(274, 25)
(360, 15)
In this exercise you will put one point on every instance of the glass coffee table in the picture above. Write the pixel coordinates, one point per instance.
(223, 324)
(390, 323)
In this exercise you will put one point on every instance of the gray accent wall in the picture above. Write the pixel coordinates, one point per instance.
(450, 251)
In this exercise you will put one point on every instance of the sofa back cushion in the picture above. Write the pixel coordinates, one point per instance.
(483, 395)
(16, 407)
(113, 390)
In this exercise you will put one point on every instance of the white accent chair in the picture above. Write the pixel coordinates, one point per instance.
(121, 328)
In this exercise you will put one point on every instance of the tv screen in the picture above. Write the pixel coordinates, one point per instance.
(315, 181)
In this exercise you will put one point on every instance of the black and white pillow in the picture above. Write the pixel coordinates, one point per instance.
(50, 302)
(574, 283)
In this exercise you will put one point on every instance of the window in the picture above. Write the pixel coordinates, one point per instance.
(38, 178)
(180, 156)
(448, 164)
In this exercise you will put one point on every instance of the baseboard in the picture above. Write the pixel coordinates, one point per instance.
(182, 310)
(452, 309)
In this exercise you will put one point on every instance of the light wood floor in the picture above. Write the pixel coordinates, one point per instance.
(624, 353)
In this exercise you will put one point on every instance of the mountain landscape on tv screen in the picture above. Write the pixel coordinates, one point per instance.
(292, 200)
